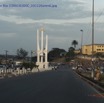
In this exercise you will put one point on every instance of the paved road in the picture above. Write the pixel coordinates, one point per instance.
(61, 86)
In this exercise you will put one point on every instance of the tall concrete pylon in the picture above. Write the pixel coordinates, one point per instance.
(42, 53)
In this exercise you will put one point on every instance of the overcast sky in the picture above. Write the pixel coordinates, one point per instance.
(62, 24)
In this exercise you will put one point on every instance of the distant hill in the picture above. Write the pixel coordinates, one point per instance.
(9, 56)
(59, 60)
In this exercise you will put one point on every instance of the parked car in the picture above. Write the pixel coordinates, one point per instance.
(74, 68)
(55, 67)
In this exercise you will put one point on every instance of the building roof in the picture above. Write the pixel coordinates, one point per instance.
(93, 44)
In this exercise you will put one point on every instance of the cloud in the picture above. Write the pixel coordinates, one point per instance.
(62, 24)
(20, 20)
(7, 35)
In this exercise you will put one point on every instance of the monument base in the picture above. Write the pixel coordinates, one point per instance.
(43, 65)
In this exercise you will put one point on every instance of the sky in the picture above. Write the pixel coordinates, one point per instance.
(62, 23)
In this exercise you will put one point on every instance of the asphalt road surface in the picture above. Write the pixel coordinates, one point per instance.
(60, 86)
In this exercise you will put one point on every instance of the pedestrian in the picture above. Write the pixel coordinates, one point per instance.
(97, 73)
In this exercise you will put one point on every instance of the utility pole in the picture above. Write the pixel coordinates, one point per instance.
(92, 29)
(92, 74)
(31, 58)
(6, 56)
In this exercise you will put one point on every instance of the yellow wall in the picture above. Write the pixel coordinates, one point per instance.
(87, 49)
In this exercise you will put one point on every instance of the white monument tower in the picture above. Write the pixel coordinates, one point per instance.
(42, 53)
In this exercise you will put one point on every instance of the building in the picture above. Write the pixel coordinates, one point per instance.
(77, 51)
(87, 49)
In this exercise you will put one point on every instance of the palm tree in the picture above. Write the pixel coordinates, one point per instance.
(74, 43)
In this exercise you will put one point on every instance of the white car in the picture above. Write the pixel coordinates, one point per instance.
(74, 68)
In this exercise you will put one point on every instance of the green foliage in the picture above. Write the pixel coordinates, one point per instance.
(71, 49)
(70, 54)
(102, 77)
(28, 65)
(0, 61)
(21, 53)
(55, 53)
(67, 59)
(99, 55)
(74, 43)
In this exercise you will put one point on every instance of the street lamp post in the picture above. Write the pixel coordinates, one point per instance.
(81, 40)
(92, 74)
(31, 56)
(92, 28)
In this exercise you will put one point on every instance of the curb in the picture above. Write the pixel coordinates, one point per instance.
(96, 86)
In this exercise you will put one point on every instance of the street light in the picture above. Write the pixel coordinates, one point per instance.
(92, 28)
(92, 74)
(81, 40)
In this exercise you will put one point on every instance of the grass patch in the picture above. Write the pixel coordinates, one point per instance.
(102, 78)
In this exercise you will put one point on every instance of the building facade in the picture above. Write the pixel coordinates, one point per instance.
(87, 49)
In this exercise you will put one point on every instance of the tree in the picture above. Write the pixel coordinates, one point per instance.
(71, 49)
(55, 53)
(1, 61)
(21, 53)
(71, 53)
(74, 43)
(28, 65)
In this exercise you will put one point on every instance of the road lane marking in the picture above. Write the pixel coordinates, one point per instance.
(100, 95)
